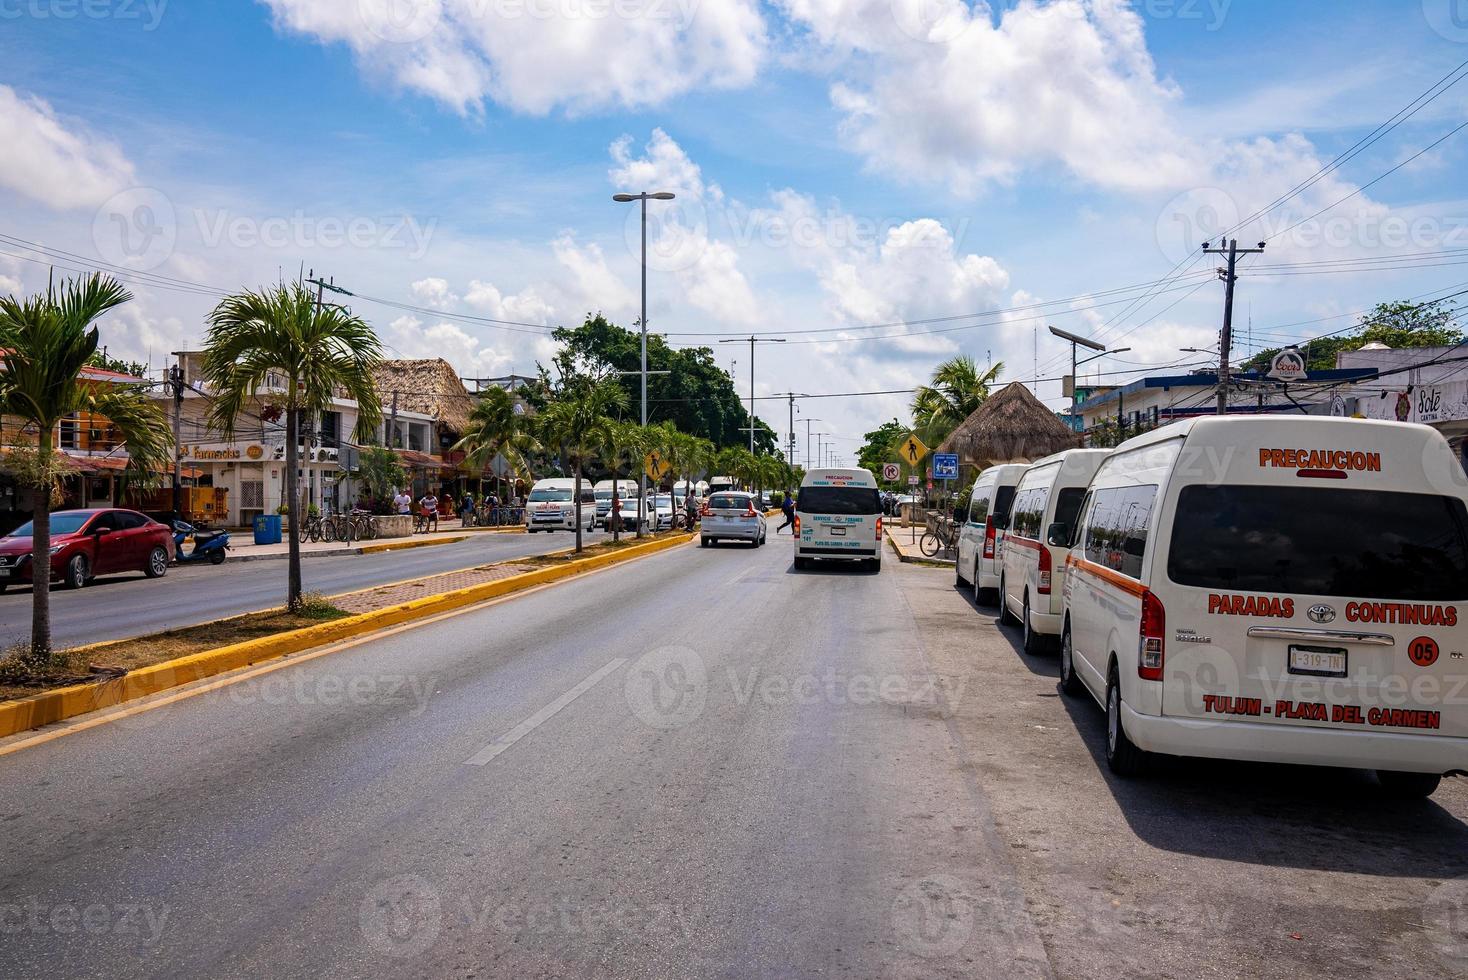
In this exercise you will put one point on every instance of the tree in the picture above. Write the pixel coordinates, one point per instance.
(619, 443)
(45, 342)
(282, 335)
(688, 454)
(577, 422)
(99, 359)
(957, 390)
(382, 471)
(878, 447)
(1399, 325)
(497, 429)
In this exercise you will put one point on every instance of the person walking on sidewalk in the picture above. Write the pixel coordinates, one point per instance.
(787, 507)
(428, 507)
(403, 503)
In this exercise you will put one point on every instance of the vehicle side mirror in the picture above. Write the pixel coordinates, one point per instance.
(1058, 535)
(1001, 522)
(98, 532)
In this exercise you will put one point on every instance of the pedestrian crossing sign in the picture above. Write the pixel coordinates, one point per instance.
(656, 466)
(913, 451)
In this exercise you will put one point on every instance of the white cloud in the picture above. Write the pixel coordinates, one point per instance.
(526, 306)
(538, 55)
(435, 294)
(593, 285)
(51, 161)
(410, 337)
(1068, 83)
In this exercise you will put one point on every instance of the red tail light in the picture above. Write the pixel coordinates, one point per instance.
(1151, 649)
(703, 510)
(1045, 564)
(991, 538)
(879, 529)
(751, 512)
(796, 532)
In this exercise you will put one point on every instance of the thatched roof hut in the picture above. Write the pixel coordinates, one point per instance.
(1012, 426)
(430, 386)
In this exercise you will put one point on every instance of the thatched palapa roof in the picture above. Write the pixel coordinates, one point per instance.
(430, 386)
(1011, 426)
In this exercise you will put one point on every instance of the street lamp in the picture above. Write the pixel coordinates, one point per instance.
(628, 199)
(809, 460)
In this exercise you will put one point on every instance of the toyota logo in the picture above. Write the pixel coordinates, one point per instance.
(1321, 614)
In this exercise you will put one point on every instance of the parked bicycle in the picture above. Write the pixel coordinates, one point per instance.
(941, 535)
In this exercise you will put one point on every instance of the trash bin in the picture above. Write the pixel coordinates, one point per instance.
(267, 529)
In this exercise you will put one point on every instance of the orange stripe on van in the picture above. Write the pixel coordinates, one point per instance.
(1128, 585)
(1010, 539)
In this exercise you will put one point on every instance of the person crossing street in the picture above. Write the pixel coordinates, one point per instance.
(787, 507)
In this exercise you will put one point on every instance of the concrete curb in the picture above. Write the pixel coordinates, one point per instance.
(919, 559)
(369, 549)
(79, 699)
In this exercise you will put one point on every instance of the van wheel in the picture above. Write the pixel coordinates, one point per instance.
(957, 575)
(704, 542)
(802, 564)
(1408, 785)
(1006, 618)
(1124, 758)
(1034, 643)
(1069, 682)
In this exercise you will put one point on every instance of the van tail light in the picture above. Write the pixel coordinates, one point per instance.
(1151, 649)
(879, 529)
(796, 532)
(1045, 564)
(991, 537)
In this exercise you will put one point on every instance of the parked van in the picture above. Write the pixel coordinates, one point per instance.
(626, 490)
(980, 539)
(719, 484)
(553, 507)
(1032, 571)
(1276, 589)
(838, 514)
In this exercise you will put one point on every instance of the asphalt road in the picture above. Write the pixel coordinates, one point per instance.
(700, 764)
(121, 606)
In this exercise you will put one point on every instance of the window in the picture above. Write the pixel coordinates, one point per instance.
(1068, 507)
(331, 430)
(978, 511)
(731, 501)
(550, 496)
(128, 521)
(1003, 501)
(1117, 526)
(849, 501)
(1316, 541)
(70, 428)
(1029, 513)
(252, 494)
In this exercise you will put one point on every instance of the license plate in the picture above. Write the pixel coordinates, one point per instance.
(4, 573)
(1318, 661)
(839, 532)
(748, 520)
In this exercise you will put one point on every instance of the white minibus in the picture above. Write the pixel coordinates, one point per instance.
(1032, 571)
(980, 539)
(838, 514)
(552, 506)
(1276, 589)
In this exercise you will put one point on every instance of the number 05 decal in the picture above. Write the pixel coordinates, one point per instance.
(1423, 651)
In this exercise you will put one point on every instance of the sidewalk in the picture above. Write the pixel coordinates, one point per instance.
(907, 544)
(242, 545)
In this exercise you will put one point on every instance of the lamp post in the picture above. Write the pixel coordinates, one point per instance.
(809, 459)
(644, 197)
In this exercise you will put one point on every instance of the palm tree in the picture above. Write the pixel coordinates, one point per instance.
(577, 423)
(957, 390)
(496, 429)
(316, 351)
(688, 454)
(45, 341)
(619, 443)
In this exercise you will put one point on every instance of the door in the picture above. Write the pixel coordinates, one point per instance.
(109, 549)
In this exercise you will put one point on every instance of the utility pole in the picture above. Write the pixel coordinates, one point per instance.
(751, 341)
(809, 459)
(175, 375)
(1225, 339)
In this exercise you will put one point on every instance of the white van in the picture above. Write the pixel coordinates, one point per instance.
(980, 540)
(1032, 571)
(1276, 589)
(719, 484)
(552, 506)
(626, 490)
(838, 514)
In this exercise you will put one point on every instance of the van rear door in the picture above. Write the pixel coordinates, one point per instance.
(1312, 603)
(838, 516)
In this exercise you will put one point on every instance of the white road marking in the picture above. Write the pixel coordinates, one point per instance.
(488, 754)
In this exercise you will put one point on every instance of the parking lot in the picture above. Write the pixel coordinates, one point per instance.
(1202, 868)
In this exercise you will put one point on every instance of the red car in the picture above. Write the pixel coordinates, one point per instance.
(88, 543)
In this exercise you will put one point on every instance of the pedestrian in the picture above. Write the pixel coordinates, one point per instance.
(466, 510)
(403, 502)
(787, 507)
(429, 509)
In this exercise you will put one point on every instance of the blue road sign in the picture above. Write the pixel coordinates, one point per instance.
(945, 466)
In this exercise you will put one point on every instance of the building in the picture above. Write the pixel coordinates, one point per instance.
(427, 388)
(1419, 384)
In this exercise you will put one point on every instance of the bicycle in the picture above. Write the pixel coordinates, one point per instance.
(315, 529)
(941, 535)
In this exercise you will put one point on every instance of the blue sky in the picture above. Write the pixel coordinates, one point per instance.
(840, 163)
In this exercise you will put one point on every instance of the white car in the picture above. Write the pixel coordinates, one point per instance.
(1282, 589)
(730, 515)
(661, 512)
(1032, 569)
(838, 515)
(980, 540)
(552, 506)
(623, 488)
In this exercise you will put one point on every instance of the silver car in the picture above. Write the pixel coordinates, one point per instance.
(731, 515)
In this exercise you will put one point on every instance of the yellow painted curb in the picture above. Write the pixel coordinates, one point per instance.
(374, 549)
(68, 702)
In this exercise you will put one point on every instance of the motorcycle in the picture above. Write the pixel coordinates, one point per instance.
(209, 546)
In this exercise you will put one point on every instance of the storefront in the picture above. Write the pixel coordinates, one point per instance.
(253, 475)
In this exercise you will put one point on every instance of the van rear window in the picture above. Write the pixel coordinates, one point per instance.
(839, 500)
(1315, 541)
